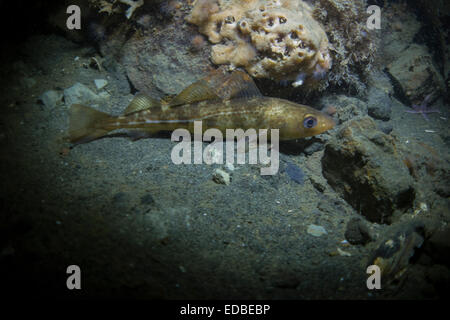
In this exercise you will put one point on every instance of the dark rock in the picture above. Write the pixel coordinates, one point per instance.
(274, 180)
(438, 246)
(163, 64)
(118, 72)
(415, 72)
(439, 276)
(120, 197)
(286, 281)
(147, 199)
(121, 201)
(427, 165)
(347, 108)
(385, 127)
(397, 248)
(379, 104)
(361, 164)
(357, 232)
(313, 147)
(295, 173)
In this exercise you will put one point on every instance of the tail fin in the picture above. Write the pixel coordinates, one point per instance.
(86, 124)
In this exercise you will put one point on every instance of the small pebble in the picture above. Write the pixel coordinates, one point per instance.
(147, 199)
(316, 231)
(229, 166)
(100, 83)
(344, 253)
(51, 98)
(295, 173)
(221, 177)
(79, 93)
(104, 95)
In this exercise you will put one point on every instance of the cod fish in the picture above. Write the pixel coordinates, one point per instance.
(221, 101)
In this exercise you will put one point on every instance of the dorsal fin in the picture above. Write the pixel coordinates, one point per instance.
(218, 85)
(141, 102)
(238, 85)
(196, 92)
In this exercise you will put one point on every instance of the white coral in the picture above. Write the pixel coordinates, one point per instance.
(133, 6)
(110, 8)
(276, 39)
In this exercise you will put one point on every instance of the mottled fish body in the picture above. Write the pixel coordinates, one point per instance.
(237, 104)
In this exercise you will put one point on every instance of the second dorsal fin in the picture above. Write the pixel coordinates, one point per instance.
(238, 85)
(218, 85)
(141, 102)
(196, 92)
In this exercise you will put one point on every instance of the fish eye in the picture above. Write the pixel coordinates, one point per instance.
(310, 122)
